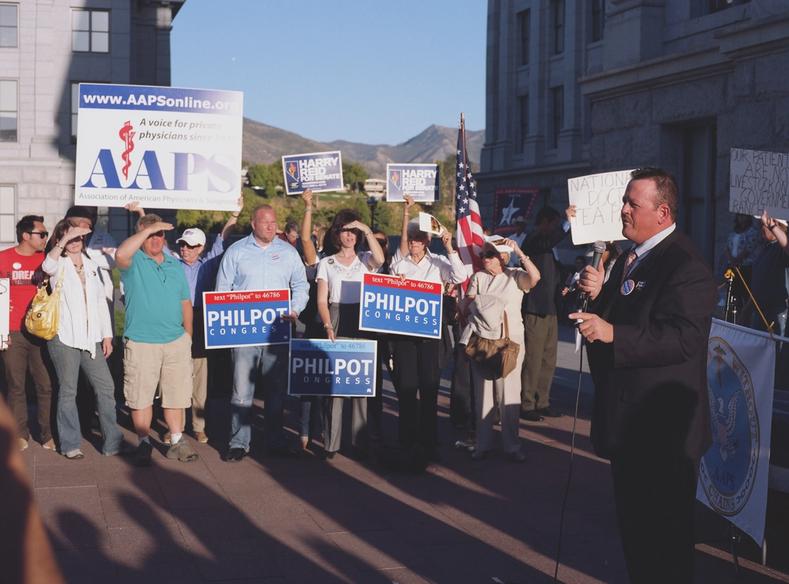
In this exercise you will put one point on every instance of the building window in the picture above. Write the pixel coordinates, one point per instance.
(523, 119)
(7, 214)
(90, 31)
(524, 23)
(8, 26)
(557, 21)
(74, 109)
(8, 110)
(702, 7)
(598, 20)
(557, 115)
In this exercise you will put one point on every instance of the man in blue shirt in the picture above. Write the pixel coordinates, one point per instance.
(157, 336)
(261, 261)
(200, 273)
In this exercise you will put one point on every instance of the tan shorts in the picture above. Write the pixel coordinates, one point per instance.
(148, 365)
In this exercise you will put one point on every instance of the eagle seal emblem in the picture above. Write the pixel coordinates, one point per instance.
(728, 468)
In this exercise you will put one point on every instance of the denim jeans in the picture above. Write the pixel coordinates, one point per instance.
(269, 364)
(67, 362)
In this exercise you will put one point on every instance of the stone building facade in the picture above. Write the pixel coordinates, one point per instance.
(47, 47)
(671, 83)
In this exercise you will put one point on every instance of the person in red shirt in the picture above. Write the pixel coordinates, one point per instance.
(24, 353)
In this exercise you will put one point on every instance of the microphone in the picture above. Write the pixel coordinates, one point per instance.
(599, 248)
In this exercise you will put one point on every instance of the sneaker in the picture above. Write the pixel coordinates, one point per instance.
(182, 452)
(516, 456)
(531, 416)
(549, 413)
(123, 449)
(75, 454)
(201, 437)
(235, 454)
(142, 456)
(49, 445)
(23, 444)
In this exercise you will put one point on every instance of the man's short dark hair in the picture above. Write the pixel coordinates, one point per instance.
(27, 224)
(665, 185)
(546, 214)
(291, 225)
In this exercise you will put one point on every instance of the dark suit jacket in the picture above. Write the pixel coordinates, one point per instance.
(651, 395)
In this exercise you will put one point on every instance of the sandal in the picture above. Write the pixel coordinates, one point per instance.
(75, 454)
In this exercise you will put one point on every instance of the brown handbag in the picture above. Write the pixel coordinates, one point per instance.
(496, 358)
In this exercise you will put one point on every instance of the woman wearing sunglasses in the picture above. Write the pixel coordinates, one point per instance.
(339, 281)
(496, 288)
(416, 359)
(84, 338)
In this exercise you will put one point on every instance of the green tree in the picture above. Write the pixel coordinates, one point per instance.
(354, 175)
(266, 176)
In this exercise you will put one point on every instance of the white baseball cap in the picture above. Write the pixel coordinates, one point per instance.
(192, 236)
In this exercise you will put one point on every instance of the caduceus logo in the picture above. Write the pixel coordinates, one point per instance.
(396, 178)
(126, 133)
(293, 170)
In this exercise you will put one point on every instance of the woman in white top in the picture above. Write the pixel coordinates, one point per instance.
(84, 338)
(508, 285)
(339, 281)
(416, 359)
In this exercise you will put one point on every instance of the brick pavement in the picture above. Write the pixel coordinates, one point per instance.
(295, 521)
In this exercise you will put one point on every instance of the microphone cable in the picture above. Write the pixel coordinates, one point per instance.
(566, 494)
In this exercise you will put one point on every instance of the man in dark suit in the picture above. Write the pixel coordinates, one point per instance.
(647, 329)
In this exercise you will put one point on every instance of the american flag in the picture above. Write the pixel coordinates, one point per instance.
(470, 237)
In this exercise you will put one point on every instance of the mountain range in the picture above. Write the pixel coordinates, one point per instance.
(266, 144)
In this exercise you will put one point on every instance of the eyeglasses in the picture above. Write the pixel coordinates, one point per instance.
(381, 242)
(41, 234)
(184, 244)
(78, 239)
(490, 254)
(347, 230)
(156, 234)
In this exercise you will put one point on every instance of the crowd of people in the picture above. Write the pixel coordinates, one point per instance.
(647, 325)
(520, 289)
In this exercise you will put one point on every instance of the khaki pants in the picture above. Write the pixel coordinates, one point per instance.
(199, 392)
(168, 365)
(539, 363)
(25, 354)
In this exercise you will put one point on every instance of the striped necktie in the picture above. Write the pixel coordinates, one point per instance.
(631, 257)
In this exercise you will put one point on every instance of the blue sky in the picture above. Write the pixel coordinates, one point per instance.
(371, 71)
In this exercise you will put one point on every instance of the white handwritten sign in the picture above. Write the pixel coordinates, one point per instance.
(598, 201)
(759, 181)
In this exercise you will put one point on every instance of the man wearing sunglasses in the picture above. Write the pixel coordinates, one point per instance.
(157, 337)
(200, 271)
(18, 264)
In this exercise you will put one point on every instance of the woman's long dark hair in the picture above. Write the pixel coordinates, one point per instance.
(57, 234)
(331, 241)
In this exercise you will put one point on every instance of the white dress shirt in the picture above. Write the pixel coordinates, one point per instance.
(431, 268)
